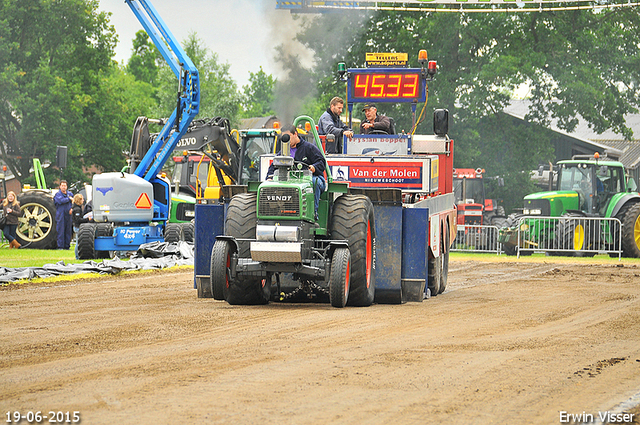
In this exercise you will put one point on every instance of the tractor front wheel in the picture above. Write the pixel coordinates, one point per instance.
(352, 220)
(339, 277)
(220, 270)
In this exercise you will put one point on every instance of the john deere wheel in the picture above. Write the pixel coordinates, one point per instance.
(631, 232)
(352, 220)
(189, 231)
(173, 233)
(241, 220)
(574, 234)
(37, 225)
(339, 277)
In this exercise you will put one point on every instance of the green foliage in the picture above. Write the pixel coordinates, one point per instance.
(575, 62)
(145, 59)
(257, 99)
(54, 55)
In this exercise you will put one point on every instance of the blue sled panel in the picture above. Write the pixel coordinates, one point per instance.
(387, 272)
(415, 245)
(209, 224)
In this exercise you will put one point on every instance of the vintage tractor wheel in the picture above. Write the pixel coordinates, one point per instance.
(339, 277)
(631, 232)
(241, 220)
(220, 277)
(37, 225)
(189, 231)
(574, 234)
(86, 239)
(173, 232)
(352, 220)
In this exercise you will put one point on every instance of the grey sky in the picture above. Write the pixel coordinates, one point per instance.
(239, 31)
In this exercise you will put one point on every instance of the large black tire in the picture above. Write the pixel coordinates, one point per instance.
(631, 232)
(352, 220)
(249, 291)
(189, 231)
(219, 270)
(37, 225)
(173, 232)
(571, 233)
(86, 241)
(339, 277)
(434, 275)
(241, 220)
(444, 277)
(104, 229)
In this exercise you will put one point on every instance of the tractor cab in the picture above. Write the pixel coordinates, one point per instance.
(594, 182)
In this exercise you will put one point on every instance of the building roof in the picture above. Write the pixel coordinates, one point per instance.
(627, 151)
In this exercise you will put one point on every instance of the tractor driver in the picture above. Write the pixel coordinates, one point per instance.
(308, 154)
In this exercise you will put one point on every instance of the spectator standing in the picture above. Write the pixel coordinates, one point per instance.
(79, 211)
(12, 212)
(64, 212)
(330, 123)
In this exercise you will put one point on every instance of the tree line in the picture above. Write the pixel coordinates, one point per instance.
(59, 83)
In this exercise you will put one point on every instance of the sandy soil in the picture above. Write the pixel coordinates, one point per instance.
(508, 342)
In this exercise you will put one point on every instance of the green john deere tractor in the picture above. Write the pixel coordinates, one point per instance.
(272, 230)
(586, 188)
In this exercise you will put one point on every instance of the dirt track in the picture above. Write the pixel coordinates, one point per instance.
(517, 342)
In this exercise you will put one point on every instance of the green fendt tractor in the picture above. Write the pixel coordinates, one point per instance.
(272, 229)
(586, 188)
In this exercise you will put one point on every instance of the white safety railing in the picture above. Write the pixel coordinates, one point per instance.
(477, 238)
(579, 236)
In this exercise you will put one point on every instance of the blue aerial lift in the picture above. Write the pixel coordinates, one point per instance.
(130, 209)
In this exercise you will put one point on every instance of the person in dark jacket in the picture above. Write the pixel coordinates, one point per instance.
(374, 121)
(64, 212)
(79, 211)
(330, 123)
(306, 153)
(12, 212)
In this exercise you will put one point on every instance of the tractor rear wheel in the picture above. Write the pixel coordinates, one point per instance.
(241, 220)
(352, 220)
(37, 225)
(339, 277)
(631, 232)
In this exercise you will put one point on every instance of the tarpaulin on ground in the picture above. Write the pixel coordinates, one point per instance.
(150, 256)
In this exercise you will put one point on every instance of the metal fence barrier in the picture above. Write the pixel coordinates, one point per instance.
(578, 236)
(477, 238)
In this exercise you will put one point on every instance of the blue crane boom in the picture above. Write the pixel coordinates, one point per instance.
(188, 103)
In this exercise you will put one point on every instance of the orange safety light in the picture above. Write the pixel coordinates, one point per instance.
(596, 155)
(307, 126)
(185, 153)
(276, 125)
(422, 56)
